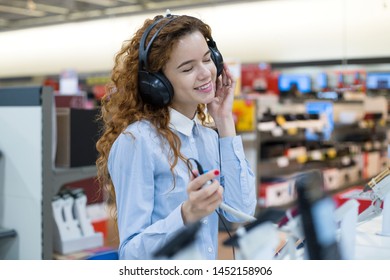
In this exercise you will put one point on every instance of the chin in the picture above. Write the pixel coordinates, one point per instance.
(209, 98)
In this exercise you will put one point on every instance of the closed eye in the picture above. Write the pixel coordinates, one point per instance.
(188, 70)
(206, 56)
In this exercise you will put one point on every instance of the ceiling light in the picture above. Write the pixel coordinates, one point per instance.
(31, 5)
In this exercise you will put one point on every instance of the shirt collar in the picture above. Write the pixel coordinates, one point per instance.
(180, 122)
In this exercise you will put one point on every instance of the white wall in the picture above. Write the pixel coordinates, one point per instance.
(270, 31)
(21, 180)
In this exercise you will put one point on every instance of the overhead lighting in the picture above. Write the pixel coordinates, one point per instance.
(38, 21)
(85, 15)
(123, 10)
(34, 6)
(129, 1)
(21, 11)
(31, 5)
(174, 3)
(52, 9)
(104, 3)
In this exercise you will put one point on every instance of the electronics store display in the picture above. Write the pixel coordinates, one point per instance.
(73, 229)
(316, 211)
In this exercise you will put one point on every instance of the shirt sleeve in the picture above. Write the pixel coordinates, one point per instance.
(239, 180)
(131, 168)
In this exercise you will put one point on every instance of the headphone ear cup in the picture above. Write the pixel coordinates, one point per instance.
(216, 56)
(154, 88)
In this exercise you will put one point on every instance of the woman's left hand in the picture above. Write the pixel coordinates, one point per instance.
(221, 107)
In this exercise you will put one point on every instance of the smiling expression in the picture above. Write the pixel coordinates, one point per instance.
(192, 73)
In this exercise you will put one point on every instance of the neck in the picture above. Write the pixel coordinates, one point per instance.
(188, 112)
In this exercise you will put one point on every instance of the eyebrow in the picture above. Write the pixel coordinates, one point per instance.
(189, 61)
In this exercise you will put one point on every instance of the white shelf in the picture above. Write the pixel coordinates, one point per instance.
(7, 233)
(54, 178)
(61, 176)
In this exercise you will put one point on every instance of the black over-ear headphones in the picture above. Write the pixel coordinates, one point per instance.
(155, 88)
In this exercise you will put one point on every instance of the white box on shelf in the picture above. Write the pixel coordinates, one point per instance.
(276, 194)
(331, 179)
(65, 247)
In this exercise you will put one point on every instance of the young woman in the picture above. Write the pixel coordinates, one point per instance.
(166, 105)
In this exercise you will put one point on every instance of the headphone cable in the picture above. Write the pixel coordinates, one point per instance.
(228, 232)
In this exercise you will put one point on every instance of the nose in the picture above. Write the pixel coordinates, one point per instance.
(204, 72)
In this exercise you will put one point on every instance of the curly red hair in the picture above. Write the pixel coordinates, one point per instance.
(122, 105)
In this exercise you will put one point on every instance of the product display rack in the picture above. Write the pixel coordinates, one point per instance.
(273, 169)
(54, 178)
(7, 233)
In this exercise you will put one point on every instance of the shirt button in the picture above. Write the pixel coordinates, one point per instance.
(210, 249)
(205, 221)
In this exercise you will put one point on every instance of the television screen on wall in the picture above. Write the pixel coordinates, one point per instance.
(301, 81)
(378, 80)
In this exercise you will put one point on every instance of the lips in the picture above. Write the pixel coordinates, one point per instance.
(204, 87)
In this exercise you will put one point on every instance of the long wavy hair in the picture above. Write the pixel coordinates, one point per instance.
(122, 104)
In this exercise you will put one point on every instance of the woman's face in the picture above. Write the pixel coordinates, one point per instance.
(192, 73)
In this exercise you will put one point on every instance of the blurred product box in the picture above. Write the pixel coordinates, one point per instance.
(70, 101)
(371, 164)
(244, 112)
(332, 179)
(296, 152)
(77, 133)
(349, 175)
(276, 193)
(98, 214)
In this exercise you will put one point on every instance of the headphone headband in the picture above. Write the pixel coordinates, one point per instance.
(143, 52)
(154, 88)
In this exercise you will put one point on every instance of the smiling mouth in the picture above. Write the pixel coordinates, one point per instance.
(203, 87)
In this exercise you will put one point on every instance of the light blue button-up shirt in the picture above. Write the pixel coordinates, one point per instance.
(148, 202)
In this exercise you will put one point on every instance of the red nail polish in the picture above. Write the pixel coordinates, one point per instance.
(216, 172)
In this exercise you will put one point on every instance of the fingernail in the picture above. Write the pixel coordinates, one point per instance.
(216, 172)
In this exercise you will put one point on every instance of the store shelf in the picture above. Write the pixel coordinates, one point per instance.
(355, 133)
(62, 176)
(54, 178)
(7, 233)
(265, 137)
(355, 146)
(248, 136)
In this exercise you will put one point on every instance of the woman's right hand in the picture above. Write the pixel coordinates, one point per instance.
(202, 201)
